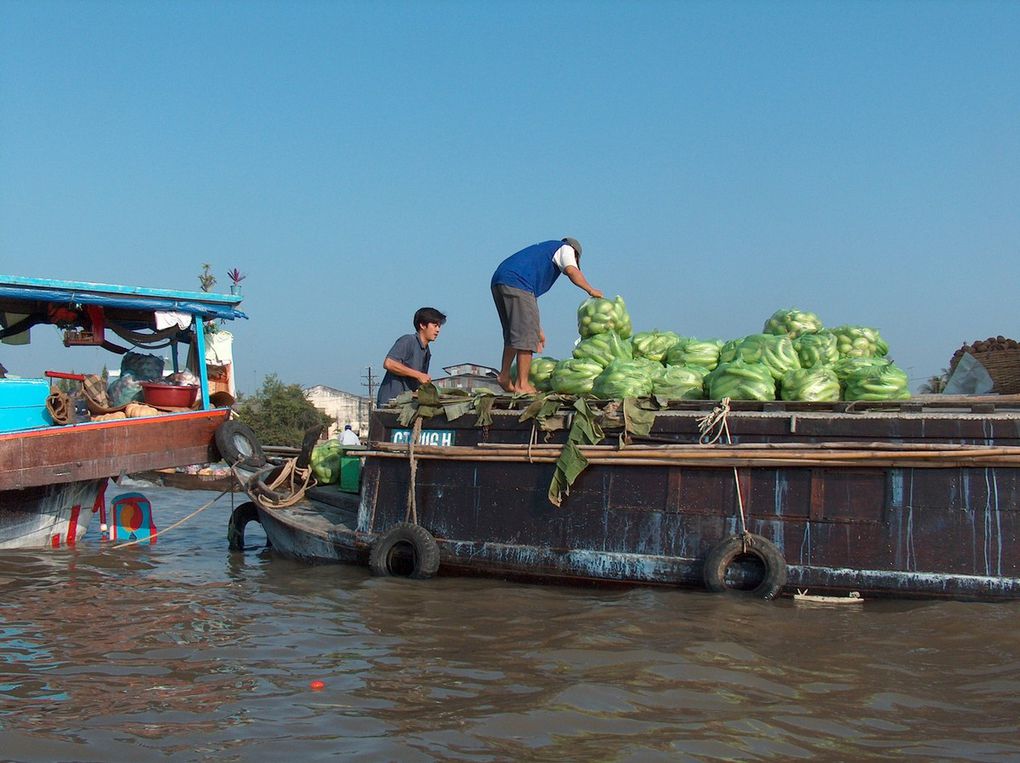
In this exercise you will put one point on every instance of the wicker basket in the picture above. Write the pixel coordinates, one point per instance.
(1004, 368)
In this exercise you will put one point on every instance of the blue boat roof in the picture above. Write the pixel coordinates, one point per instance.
(206, 304)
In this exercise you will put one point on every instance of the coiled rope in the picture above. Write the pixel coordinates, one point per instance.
(713, 427)
(286, 488)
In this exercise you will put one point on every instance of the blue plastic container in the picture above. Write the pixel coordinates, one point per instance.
(23, 404)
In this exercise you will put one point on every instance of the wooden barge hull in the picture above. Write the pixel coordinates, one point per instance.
(50, 478)
(910, 529)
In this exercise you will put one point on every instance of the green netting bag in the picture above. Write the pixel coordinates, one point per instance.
(540, 375)
(817, 349)
(694, 352)
(679, 383)
(859, 342)
(597, 315)
(603, 348)
(574, 376)
(773, 351)
(877, 382)
(818, 384)
(792, 323)
(622, 379)
(654, 344)
(741, 380)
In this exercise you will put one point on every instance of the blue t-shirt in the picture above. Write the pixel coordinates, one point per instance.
(407, 350)
(531, 269)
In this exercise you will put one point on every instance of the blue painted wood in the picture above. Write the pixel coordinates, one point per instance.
(210, 305)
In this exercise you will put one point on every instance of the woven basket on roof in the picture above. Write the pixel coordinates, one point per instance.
(1004, 368)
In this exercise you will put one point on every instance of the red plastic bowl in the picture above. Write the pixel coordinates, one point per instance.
(169, 395)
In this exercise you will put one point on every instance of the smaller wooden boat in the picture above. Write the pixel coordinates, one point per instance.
(216, 479)
(58, 451)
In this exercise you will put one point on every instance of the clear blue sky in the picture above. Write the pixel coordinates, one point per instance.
(717, 160)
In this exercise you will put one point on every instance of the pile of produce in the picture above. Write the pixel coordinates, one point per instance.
(991, 344)
(794, 358)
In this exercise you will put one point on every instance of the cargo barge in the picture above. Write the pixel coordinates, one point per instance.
(918, 498)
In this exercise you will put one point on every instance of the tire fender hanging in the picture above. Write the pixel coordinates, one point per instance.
(405, 538)
(239, 445)
(724, 554)
(239, 518)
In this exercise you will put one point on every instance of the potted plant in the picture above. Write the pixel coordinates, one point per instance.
(235, 276)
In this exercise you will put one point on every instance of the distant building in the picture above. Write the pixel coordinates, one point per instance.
(469, 376)
(345, 407)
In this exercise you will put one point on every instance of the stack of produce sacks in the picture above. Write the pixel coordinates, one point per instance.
(604, 327)
(795, 358)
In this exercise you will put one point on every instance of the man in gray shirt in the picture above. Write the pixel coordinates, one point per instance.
(407, 362)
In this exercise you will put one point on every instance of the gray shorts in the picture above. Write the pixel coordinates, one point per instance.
(518, 313)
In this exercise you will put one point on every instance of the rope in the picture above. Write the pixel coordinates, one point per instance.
(412, 506)
(713, 427)
(533, 439)
(58, 403)
(175, 524)
(293, 480)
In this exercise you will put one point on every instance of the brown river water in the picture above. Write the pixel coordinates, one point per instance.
(184, 651)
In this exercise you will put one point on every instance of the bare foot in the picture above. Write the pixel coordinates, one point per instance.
(525, 389)
(505, 383)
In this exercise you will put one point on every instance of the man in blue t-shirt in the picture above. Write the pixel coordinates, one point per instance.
(407, 362)
(516, 286)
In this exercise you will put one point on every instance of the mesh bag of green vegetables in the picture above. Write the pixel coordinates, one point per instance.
(574, 376)
(603, 348)
(679, 382)
(694, 352)
(859, 342)
(817, 349)
(877, 382)
(622, 379)
(597, 316)
(773, 351)
(540, 375)
(819, 384)
(741, 380)
(654, 344)
(792, 323)
(325, 462)
(847, 367)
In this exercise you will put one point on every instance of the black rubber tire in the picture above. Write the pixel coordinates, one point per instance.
(238, 445)
(239, 519)
(390, 552)
(722, 556)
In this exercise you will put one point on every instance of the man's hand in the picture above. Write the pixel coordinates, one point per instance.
(596, 293)
(541, 340)
(424, 378)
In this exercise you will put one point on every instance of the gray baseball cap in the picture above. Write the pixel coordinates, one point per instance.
(574, 244)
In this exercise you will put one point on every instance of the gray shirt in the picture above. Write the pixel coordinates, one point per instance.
(409, 351)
